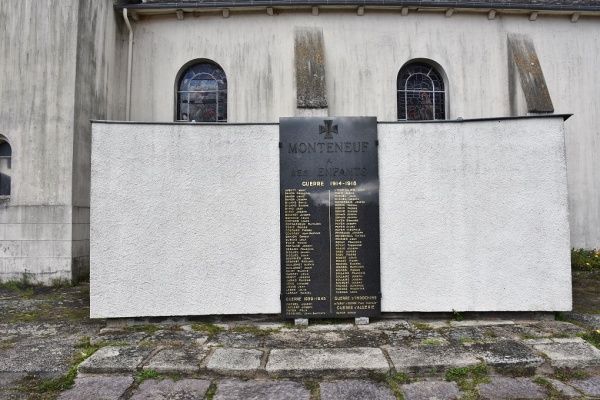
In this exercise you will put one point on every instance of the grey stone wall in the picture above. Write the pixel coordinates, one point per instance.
(59, 70)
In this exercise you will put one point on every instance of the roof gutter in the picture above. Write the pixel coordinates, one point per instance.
(386, 3)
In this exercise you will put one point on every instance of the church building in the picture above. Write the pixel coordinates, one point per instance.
(154, 70)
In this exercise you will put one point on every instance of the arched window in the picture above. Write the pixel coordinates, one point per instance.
(421, 93)
(202, 93)
(5, 167)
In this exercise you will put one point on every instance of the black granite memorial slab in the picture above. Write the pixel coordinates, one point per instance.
(329, 217)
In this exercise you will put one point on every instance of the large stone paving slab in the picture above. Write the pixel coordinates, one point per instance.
(570, 354)
(431, 390)
(421, 335)
(317, 362)
(235, 339)
(260, 390)
(502, 388)
(430, 359)
(541, 329)
(590, 386)
(399, 338)
(469, 334)
(385, 325)
(263, 326)
(21, 329)
(27, 330)
(98, 388)
(238, 361)
(507, 353)
(591, 320)
(120, 338)
(38, 355)
(114, 359)
(177, 338)
(8, 379)
(185, 389)
(330, 339)
(553, 328)
(480, 322)
(176, 360)
(355, 390)
(317, 327)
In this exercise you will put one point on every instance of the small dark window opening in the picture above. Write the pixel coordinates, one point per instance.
(202, 94)
(5, 167)
(421, 93)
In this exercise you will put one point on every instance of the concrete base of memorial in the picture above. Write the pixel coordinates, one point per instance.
(185, 218)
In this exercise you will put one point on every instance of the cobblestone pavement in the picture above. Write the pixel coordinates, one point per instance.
(50, 349)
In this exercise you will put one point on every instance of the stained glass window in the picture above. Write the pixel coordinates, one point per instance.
(5, 167)
(202, 94)
(421, 93)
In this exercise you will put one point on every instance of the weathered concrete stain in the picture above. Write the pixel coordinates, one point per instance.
(311, 89)
(530, 73)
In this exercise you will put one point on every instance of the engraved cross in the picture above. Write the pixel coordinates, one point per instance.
(328, 129)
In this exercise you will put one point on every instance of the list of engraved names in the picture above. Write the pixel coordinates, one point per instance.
(345, 236)
(299, 260)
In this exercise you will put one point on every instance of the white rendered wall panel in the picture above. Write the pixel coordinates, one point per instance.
(185, 218)
(474, 216)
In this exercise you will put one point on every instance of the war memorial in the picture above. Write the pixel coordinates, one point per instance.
(324, 200)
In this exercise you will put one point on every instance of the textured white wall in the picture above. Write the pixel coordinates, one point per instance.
(185, 218)
(474, 216)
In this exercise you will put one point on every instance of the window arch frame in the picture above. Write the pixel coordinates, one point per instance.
(436, 69)
(5, 194)
(220, 94)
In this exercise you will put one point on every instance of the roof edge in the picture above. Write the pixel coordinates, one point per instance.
(496, 5)
(564, 117)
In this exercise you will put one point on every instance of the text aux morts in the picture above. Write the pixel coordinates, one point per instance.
(331, 148)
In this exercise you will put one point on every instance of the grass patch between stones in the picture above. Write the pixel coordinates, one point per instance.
(393, 381)
(553, 393)
(210, 393)
(567, 374)
(207, 327)
(421, 326)
(315, 389)
(592, 337)
(516, 372)
(467, 378)
(17, 286)
(472, 372)
(146, 374)
(457, 315)
(431, 342)
(26, 316)
(26, 293)
(54, 386)
(7, 345)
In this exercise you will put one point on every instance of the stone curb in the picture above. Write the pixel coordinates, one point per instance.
(391, 346)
